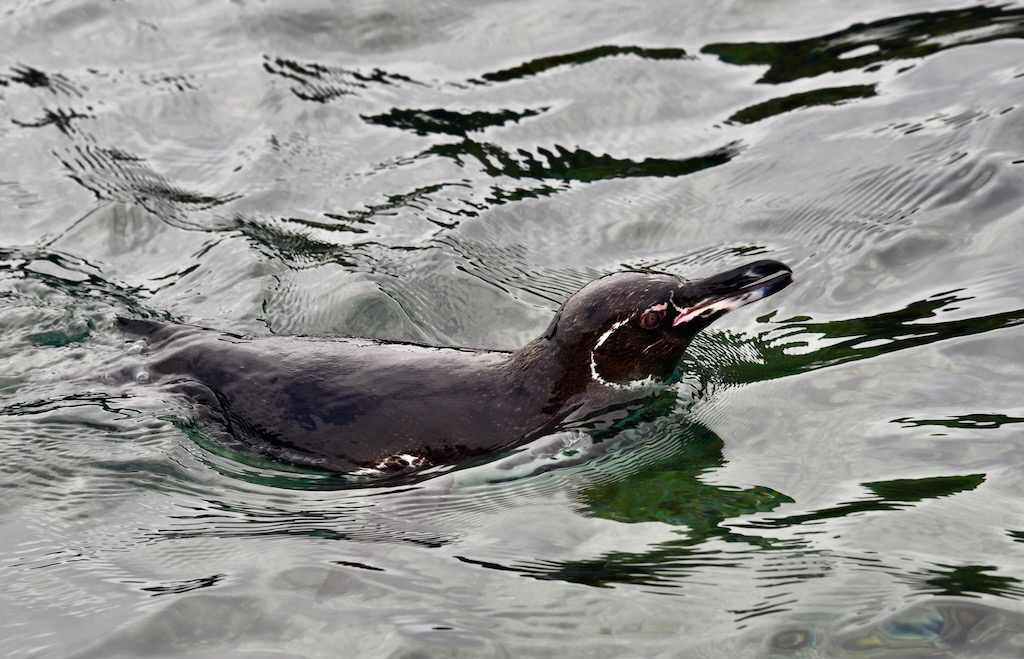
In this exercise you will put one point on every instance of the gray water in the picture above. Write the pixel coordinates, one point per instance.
(840, 474)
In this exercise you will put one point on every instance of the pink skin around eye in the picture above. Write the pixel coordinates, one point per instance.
(653, 316)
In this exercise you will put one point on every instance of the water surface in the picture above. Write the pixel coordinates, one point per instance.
(837, 475)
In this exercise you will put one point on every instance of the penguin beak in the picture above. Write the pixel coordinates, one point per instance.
(720, 294)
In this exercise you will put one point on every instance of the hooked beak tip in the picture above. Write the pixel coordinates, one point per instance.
(755, 282)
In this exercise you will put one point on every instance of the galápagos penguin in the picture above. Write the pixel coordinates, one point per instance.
(359, 405)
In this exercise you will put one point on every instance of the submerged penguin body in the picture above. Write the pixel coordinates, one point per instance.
(341, 404)
(357, 405)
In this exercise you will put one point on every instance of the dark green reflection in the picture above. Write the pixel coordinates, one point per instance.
(60, 118)
(912, 36)
(577, 165)
(861, 338)
(963, 421)
(542, 64)
(668, 490)
(185, 586)
(776, 106)
(439, 120)
(672, 492)
(888, 495)
(965, 581)
(321, 83)
(919, 489)
(32, 77)
(59, 337)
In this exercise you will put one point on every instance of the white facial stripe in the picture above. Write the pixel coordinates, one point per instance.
(635, 384)
(718, 304)
(600, 342)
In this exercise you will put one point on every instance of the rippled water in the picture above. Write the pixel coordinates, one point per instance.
(838, 475)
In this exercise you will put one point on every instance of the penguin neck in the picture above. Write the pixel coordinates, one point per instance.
(552, 376)
(559, 381)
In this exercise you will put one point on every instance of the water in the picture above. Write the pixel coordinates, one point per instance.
(837, 476)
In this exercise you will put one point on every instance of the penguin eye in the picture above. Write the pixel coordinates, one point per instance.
(652, 317)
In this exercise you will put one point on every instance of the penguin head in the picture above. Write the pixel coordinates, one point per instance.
(631, 326)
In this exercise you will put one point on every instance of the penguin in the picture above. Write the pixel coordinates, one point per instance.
(352, 405)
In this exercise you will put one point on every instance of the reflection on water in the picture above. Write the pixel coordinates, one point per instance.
(863, 338)
(867, 46)
(837, 476)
